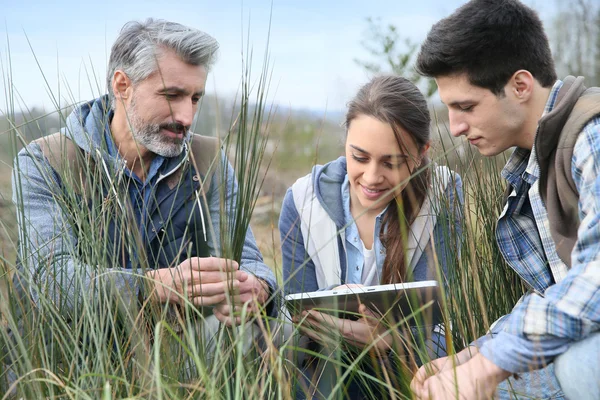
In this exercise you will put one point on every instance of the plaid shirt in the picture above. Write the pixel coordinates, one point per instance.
(563, 305)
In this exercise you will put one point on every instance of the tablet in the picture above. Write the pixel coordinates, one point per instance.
(413, 302)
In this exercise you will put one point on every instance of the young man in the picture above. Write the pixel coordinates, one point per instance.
(125, 189)
(492, 63)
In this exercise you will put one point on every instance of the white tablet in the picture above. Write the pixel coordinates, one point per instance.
(398, 301)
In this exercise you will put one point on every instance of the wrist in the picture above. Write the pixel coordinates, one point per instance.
(466, 354)
(490, 370)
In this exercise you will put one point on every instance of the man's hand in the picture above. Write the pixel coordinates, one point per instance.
(440, 365)
(475, 379)
(253, 291)
(202, 281)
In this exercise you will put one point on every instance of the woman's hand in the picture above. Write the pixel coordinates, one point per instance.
(363, 332)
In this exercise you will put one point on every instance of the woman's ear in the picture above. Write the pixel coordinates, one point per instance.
(424, 149)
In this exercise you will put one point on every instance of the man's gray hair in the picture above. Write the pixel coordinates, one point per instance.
(139, 45)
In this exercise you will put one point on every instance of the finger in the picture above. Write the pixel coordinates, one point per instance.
(327, 334)
(308, 322)
(323, 318)
(348, 286)
(416, 386)
(420, 375)
(310, 332)
(211, 289)
(315, 332)
(200, 301)
(431, 389)
(227, 309)
(348, 329)
(212, 264)
(201, 277)
(241, 276)
(369, 315)
(237, 299)
(196, 277)
(228, 320)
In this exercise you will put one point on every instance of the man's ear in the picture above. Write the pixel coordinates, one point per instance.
(521, 85)
(121, 87)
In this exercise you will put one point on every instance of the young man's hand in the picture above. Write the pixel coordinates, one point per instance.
(473, 380)
(440, 365)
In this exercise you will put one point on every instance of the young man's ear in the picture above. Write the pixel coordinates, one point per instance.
(521, 85)
(121, 87)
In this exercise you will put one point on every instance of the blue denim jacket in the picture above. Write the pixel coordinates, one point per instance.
(332, 191)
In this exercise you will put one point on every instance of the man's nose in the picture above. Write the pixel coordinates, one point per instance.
(184, 113)
(458, 126)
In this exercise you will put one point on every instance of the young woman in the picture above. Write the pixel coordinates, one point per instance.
(381, 214)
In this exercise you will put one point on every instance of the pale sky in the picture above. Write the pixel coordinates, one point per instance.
(312, 43)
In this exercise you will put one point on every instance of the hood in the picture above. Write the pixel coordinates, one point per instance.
(328, 180)
(85, 127)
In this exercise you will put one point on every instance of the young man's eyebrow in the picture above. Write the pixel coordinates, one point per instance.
(386, 156)
(459, 103)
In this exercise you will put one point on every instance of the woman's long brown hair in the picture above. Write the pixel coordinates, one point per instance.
(398, 102)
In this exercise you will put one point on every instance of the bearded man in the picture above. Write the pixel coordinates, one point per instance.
(126, 193)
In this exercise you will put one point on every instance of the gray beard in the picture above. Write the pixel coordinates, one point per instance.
(149, 136)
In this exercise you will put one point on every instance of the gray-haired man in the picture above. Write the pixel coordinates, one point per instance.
(158, 209)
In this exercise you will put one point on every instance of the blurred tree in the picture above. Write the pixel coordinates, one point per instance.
(393, 54)
(575, 39)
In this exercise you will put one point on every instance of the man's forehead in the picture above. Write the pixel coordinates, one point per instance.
(171, 71)
(457, 89)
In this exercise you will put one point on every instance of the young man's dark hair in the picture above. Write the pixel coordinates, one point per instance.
(488, 40)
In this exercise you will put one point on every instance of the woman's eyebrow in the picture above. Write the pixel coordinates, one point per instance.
(386, 156)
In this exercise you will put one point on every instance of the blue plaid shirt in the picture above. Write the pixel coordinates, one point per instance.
(562, 306)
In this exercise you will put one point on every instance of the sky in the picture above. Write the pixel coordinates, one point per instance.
(58, 50)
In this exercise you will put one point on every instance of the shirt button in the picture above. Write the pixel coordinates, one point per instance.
(357, 267)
